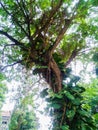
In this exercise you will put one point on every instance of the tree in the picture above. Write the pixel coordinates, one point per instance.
(36, 28)
(22, 117)
(48, 35)
(24, 112)
(91, 99)
(3, 89)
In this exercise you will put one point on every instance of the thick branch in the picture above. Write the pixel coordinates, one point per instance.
(60, 35)
(64, 29)
(10, 37)
(73, 55)
(5, 8)
(52, 12)
(13, 39)
(48, 21)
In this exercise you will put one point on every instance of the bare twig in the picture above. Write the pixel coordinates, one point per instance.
(30, 88)
(20, 61)
(86, 50)
(8, 46)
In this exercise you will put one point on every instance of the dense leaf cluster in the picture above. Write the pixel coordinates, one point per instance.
(24, 118)
(66, 107)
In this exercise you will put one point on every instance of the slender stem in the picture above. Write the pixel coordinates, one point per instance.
(63, 115)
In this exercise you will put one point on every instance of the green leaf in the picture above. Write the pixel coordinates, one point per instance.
(84, 113)
(69, 96)
(95, 57)
(1, 77)
(59, 96)
(44, 93)
(83, 126)
(70, 114)
(65, 127)
(77, 101)
(96, 70)
(56, 106)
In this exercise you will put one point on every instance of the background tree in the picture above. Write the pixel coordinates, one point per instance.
(24, 111)
(23, 116)
(48, 35)
(91, 98)
(3, 89)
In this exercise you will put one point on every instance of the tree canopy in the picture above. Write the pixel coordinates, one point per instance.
(38, 33)
(23, 117)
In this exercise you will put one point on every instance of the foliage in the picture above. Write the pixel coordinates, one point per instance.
(91, 99)
(66, 107)
(3, 89)
(24, 118)
(34, 30)
(24, 114)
